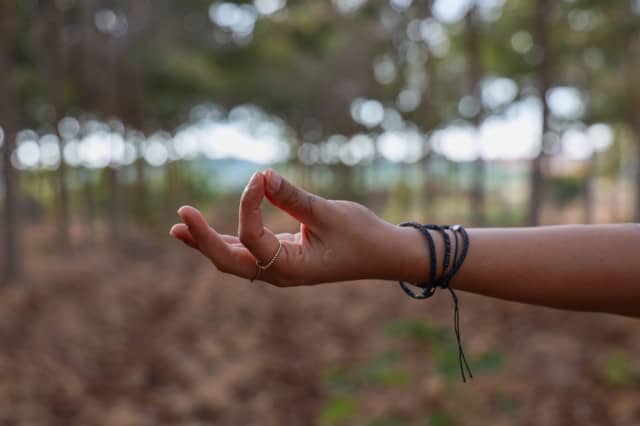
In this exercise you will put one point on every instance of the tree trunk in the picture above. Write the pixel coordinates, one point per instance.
(636, 207)
(589, 189)
(474, 73)
(541, 30)
(132, 108)
(85, 67)
(171, 191)
(63, 237)
(51, 50)
(432, 119)
(428, 186)
(115, 220)
(631, 68)
(8, 121)
(89, 205)
(111, 93)
(141, 187)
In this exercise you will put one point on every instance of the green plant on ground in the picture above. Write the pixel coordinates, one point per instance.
(338, 410)
(488, 362)
(383, 371)
(340, 380)
(618, 370)
(440, 418)
(387, 421)
(441, 347)
(416, 330)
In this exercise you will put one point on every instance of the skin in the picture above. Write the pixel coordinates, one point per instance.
(577, 267)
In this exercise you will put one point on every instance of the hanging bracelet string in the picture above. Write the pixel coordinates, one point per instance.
(461, 356)
(428, 288)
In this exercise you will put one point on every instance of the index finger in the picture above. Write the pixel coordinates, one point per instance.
(213, 246)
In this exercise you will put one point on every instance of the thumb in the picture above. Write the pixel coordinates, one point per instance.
(302, 205)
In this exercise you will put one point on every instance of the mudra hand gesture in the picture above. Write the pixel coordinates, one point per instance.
(337, 241)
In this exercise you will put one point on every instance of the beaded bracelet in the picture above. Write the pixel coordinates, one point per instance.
(428, 288)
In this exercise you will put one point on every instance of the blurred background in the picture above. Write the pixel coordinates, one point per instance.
(483, 112)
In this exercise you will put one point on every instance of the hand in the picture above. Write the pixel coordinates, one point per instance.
(337, 241)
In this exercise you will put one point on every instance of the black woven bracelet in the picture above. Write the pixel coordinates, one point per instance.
(442, 229)
(429, 288)
(446, 279)
(455, 253)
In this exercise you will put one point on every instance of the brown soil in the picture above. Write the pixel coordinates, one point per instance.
(156, 336)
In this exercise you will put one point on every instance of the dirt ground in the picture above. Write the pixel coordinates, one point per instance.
(154, 335)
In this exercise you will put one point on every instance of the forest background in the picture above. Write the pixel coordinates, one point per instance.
(482, 112)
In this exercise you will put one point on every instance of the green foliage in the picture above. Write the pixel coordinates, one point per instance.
(440, 418)
(506, 217)
(618, 370)
(416, 330)
(446, 358)
(488, 362)
(565, 189)
(442, 348)
(388, 421)
(382, 371)
(337, 410)
(435, 338)
(339, 380)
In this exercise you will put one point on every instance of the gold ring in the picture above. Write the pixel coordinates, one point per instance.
(262, 266)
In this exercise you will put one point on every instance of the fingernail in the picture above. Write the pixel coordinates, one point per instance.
(182, 210)
(251, 182)
(172, 231)
(274, 181)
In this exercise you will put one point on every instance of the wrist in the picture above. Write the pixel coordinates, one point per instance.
(406, 255)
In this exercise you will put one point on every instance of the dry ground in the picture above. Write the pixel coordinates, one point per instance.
(153, 335)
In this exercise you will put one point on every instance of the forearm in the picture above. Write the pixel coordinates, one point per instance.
(580, 267)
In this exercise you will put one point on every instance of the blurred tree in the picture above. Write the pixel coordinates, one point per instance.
(542, 36)
(9, 122)
(630, 29)
(112, 89)
(148, 63)
(474, 76)
(52, 59)
(610, 55)
(86, 98)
